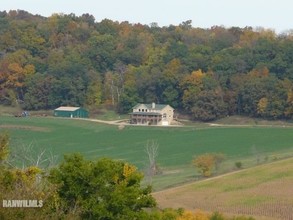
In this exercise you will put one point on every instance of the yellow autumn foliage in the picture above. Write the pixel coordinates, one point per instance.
(197, 215)
(128, 170)
(27, 176)
(205, 163)
(262, 105)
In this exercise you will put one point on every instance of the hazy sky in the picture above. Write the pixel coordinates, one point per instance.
(275, 14)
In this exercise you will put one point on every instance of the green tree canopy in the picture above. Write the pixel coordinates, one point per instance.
(102, 189)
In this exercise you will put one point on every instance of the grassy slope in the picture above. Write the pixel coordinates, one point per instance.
(177, 146)
(265, 190)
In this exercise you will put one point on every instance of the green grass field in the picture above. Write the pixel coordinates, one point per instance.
(177, 145)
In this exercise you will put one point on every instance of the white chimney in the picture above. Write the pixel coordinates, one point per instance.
(153, 105)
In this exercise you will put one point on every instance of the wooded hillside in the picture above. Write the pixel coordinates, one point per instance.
(207, 73)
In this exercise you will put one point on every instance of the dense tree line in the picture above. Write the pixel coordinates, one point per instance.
(64, 59)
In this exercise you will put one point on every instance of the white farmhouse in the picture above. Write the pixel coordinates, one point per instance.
(152, 114)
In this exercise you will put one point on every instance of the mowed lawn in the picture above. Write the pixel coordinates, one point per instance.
(177, 146)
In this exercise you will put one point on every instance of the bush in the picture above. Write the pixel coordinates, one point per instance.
(238, 164)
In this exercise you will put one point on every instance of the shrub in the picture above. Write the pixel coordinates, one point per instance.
(238, 164)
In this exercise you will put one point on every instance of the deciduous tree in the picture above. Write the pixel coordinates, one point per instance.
(103, 189)
(205, 163)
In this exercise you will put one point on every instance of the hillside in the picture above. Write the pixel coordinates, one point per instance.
(73, 60)
(250, 144)
(265, 191)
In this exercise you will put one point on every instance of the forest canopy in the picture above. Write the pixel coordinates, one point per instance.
(210, 73)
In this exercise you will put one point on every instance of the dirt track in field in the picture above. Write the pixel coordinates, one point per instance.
(267, 199)
(24, 127)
